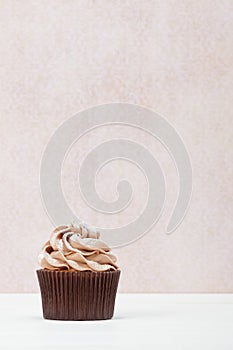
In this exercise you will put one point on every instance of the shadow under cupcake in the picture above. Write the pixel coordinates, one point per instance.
(79, 275)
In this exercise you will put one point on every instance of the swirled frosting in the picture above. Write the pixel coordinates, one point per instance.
(76, 248)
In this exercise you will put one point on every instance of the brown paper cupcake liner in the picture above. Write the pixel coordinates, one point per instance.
(78, 295)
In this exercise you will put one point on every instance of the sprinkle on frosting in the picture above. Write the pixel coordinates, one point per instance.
(76, 248)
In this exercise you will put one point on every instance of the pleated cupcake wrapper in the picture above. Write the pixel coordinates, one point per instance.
(78, 295)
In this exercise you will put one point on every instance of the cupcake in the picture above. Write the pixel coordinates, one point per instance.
(79, 276)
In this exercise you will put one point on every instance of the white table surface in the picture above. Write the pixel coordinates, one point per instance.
(154, 321)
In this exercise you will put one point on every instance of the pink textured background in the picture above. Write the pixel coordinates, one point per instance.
(59, 57)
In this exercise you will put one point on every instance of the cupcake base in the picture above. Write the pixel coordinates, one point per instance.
(78, 295)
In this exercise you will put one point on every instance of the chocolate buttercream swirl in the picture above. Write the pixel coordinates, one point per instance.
(76, 248)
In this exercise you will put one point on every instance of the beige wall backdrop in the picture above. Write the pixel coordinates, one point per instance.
(59, 57)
